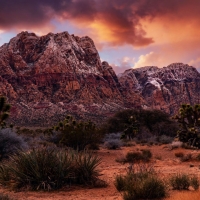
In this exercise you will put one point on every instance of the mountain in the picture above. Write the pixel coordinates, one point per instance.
(47, 77)
(164, 88)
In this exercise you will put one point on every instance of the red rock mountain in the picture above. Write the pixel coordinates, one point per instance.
(45, 78)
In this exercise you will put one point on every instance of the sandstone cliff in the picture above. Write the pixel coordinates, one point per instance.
(164, 88)
(45, 78)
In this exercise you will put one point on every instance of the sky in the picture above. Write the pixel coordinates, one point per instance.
(127, 33)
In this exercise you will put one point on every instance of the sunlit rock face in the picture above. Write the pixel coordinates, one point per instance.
(45, 78)
(164, 88)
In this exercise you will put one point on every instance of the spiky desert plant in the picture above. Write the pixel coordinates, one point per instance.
(4, 111)
(86, 167)
(189, 120)
(37, 169)
(48, 169)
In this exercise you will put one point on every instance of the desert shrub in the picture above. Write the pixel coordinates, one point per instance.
(47, 169)
(133, 156)
(4, 111)
(10, 143)
(167, 128)
(194, 182)
(153, 121)
(140, 185)
(77, 135)
(175, 144)
(144, 155)
(179, 154)
(120, 182)
(180, 181)
(198, 157)
(113, 141)
(86, 168)
(189, 124)
(4, 197)
(186, 157)
(164, 139)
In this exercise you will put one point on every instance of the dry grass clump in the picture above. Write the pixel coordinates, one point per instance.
(145, 155)
(182, 181)
(141, 183)
(179, 154)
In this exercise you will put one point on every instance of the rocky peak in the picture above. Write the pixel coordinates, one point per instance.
(164, 88)
(47, 77)
(61, 71)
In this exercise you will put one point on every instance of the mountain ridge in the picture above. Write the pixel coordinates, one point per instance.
(47, 77)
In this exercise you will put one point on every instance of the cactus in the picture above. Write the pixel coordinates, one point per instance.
(189, 121)
(4, 111)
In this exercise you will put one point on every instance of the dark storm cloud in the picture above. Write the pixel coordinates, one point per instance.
(121, 17)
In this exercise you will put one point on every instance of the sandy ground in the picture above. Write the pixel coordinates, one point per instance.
(164, 161)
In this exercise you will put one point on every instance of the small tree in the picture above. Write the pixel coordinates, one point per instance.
(132, 128)
(4, 111)
(189, 120)
(77, 134)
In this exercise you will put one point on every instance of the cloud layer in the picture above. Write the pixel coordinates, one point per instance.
(116, 21)
(140, 23)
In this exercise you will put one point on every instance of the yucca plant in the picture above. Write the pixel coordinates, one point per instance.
(86, 167)
(40, 169)
(47, 169)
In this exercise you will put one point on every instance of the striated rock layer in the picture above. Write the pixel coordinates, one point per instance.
(164, 88)
(45, 78)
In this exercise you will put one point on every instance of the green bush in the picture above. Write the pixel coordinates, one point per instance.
(155, 121)
(180, 181)
(140, 184)
(47, 169)
(77, 135)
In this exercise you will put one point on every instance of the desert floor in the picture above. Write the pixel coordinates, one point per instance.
(164, 161)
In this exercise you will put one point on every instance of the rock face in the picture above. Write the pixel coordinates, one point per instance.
(164, 88)
(45, 78)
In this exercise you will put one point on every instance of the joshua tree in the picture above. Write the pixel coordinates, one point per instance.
(189, 120)
(77, 134)
(131, 129)
(4, 111)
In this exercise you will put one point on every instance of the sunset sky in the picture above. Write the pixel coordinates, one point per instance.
(127, 33)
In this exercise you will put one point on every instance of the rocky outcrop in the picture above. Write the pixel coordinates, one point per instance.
(45, 78)
(164, 88)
